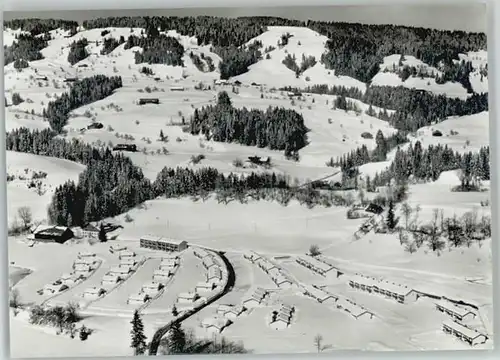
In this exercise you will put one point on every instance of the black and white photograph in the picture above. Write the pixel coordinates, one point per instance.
(248, 181)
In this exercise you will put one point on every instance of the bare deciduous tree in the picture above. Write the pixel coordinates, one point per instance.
(407, 211)
(318, 342)
(25, 215)
(314, 250)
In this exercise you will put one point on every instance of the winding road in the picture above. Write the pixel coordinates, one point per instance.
(155, 341)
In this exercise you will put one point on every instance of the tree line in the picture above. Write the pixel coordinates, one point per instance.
(83, 92)
(413, 108)
(109, 44)
(39, 26)
(236, 60)
(157, 49)
(78, 51)
(275, 128)
(25, 48)
(356, 50)
(419, 164)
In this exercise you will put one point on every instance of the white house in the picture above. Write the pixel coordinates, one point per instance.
(187, 297)
(86, 254)
(162, 244)
(120, 270)
(353, 309)
(82, 269)
(138, 298)
(151, 288)
(281, 281)
(216, 324)
(161, 275)
(464, 333)
(200, 253)
(234, 311)
(205, 286)
(168, 264)
(456, 312)
(93, 293)
(126, 254)
(253, 300)
(214, 274)
(128, 261)
(90, 261)
(110, 280)
(117, 248)
(318, 294)
(400, 293)
(90, 232)
(70, 279)
(314, 264)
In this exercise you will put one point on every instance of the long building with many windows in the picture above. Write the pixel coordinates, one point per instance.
(162, 244)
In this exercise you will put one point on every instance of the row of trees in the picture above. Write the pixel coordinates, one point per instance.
(427, 164)
(26, 47)
(160, 49)
(236, 60)
(362, 155)
(110, 44)
(290, 62)
(276, 128)
(413, 108)
(39, 26)
(83, 92)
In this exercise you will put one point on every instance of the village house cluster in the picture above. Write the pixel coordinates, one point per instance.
(391, 290)
(355, 310)
(279, 278)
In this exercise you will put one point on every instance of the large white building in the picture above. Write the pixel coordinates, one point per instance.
(456, 312)
(464, 333)
(318, 294)
(162, 244)
(400, 293)
(315, 265)
(353, 309)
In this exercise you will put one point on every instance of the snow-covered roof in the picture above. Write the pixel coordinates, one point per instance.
(203, 284)
(315, 262)
(381, 284)
(216, 322)
(352, 307)
(170, 258)
(110, 277)
(201, 252)
(214, 272)
(127, 261)
(169, 262)
(283, 318)
(126, 253)
(252, 255)
(209, 261)
(68, 276)
(93, 290)
(118, 247)
(82, 267)
(461, 328)
(254, 297)
(454, 308)
(318, 294)
(286, 307)
(162, 239)
(151, 285)
(187, 295)
(162, 272)
(86, 253)
(138, 296)
(120, 270)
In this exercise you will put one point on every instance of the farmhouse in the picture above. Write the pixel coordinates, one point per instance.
(464, 333)
(374, 209)
(216, 324)
(318, 294)
(353, 309)
(188, 297)
(390, 290)
(314, 264)
(162, 244)
(138, 298)
(151, 288)
(252, 256)
(457, 313)
(93, 293)
(200, 253)
(205, 286)
(161, 275)
(149, 101)
(58, 234)
(90, 232)
(110, 280)
(125, 147)
(117, 248)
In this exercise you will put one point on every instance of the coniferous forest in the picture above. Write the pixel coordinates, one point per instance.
(82, 92)
(275, 128)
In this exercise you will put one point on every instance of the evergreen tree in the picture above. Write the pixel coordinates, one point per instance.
(138, 342)
(391, 220)
(102, 234)
(176, 339)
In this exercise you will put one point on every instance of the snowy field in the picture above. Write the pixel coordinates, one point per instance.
(265, 227)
